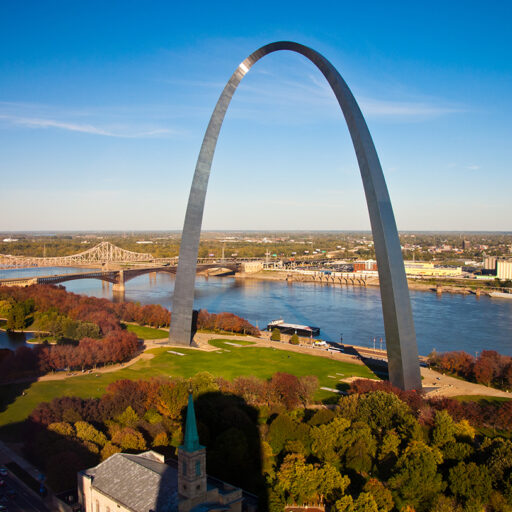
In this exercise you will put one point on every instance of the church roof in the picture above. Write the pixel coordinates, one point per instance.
(139, 482)
(191, 442)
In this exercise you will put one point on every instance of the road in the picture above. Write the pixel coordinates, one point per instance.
(23, 500)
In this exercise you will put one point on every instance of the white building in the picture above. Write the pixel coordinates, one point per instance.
(504, 269)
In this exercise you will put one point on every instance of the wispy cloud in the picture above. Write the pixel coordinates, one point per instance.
(41, 117)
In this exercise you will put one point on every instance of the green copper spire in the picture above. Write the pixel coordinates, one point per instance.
(191, 443)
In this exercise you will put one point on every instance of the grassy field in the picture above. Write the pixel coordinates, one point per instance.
(483, 399)
(229, 362)
(147, 333)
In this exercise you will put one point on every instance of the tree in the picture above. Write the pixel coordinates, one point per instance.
(470, 483)
(444, 429)
(328, 439)
(62, 428)
(276, 334)
(172, 398)
(415, 479)
(108, 450)
(294, 340)
(365, 502)
(128, 418)
(303, 483)
(87, 432)
(381, 495)
(16, 317)
(129, 439)
(161, 439)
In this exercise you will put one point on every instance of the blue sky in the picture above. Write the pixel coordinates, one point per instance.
(103, 106)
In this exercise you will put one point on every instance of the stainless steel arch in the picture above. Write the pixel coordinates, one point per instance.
(402, 350)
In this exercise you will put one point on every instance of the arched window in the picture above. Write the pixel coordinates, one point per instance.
(198, 468)
(97, 506)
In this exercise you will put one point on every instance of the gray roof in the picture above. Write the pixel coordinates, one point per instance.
(141, 483)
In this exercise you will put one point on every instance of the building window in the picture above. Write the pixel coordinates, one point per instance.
(198, 468)
(108, 509)
(184, 467)
(97, 506)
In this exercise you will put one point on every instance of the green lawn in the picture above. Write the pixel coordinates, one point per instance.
(147, 333)
(229, 363)
(483, 399)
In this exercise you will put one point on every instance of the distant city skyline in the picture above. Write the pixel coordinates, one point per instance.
(103, 108)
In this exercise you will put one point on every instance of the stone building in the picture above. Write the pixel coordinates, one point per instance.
(145, 483)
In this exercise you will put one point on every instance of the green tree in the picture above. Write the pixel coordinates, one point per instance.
(444, 429)
(365, 502)
(87, 432)
(380, 493)
(360, 447)
(128, 418)
(276, 334)
(499, 461)
(470, 483)
(303, 483)
(62, 428)
(284, 429)
(294, 340)
(328, 439)
(446, 504)
(415, 479)
(389, 445)
(16, 318)
(203, 382)
(382, 411)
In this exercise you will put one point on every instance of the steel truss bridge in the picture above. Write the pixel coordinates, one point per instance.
(104, 252)
(117, 277)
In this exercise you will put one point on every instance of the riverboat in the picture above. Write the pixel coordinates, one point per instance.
(300, 330)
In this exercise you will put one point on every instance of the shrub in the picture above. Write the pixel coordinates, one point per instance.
(276, 334)
(294, 340)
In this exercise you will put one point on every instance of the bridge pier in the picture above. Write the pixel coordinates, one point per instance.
(119, 286)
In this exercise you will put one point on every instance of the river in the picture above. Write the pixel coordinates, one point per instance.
(447, 322)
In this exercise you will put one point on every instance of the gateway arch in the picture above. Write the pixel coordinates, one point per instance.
(404, 371)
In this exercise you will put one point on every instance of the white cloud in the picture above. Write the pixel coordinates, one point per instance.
(35, 122)
(106, 122)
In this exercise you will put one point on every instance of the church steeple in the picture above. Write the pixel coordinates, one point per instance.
(191, 460)
(191, 443)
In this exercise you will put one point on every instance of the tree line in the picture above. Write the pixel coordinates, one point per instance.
(489, 368)
(107, 314)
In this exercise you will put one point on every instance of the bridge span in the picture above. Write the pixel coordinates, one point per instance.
(117, 277)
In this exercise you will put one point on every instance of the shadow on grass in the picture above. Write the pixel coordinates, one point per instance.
(377, 366)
